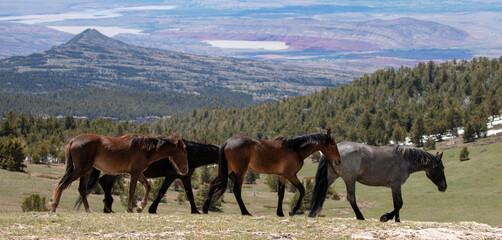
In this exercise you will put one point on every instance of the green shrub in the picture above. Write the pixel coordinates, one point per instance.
(251, 177)
(200, 198)
(181, 198)
(464, 154)
(430, 144)
(272, 182)
(306, 203)
(332, 194)
(34, 203)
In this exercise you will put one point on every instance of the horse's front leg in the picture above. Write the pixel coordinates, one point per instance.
(398, 203)
(294, 180)
(187, 184)
(147, 186)
(281, 186)
(350, 185)
(163, 189)
(106, 183)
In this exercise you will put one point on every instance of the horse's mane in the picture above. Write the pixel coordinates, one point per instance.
(417, 156)
(300, 142)
(148, 143)
(199, 143)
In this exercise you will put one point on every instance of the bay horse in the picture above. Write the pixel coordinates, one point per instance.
(198, 154)
(387, 166)
(116, 155)
(282, 156)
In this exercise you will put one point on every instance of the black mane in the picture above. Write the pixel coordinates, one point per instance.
(417, 156)
(303, 141)
(148, 143)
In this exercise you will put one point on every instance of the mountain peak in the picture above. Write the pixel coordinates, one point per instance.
(92, 36)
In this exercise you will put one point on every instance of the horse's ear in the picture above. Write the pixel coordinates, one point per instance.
(441, 155)
(178, 141)
(328, 132)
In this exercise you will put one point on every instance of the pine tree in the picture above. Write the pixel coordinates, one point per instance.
(417, 132)
(12, 155)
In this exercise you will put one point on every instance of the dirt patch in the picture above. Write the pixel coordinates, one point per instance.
(47, 176)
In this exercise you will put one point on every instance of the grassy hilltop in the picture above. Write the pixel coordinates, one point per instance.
(473, 194)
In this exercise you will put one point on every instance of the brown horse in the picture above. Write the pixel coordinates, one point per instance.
(282, 156)
(117, 155)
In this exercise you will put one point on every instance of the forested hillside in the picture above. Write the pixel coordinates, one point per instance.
(120, 104)
(386, 105)
(389, 104)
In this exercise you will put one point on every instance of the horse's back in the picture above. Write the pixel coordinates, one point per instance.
(369, 165)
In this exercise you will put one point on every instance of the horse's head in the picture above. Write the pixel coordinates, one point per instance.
(436, 173)
(329, 149)
(178, 155)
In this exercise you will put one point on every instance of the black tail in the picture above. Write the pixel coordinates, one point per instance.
(93, 179)
(63, 183)
(221, 181)
(219, 184)
(321, 187)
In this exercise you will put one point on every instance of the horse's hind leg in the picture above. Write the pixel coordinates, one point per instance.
(132, 190)
(281, 186)
(82, 189)
(163, 189)
(64, 183)
(351, 197)
(238, 180)
(147, 186)
(294, 180)
(398, 203)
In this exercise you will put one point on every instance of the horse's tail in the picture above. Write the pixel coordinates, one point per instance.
(320, 188)
(221, 181)
(93, 179)
(219, 184)
(63, 183)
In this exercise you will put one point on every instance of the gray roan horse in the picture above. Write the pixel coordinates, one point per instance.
(387, 166)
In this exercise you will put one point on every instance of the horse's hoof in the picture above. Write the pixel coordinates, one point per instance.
(247, 214)
(280, 214)
(195, 212)
(291, 213)
(130, 210)
(139, 209)
(384, 218)
(88, 210)
(362, 219)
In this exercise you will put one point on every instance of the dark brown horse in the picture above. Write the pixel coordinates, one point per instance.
(282, 156)
(117, 155)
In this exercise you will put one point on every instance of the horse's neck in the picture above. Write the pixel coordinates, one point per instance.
(413, 168)
(309, 151)
(202, 158)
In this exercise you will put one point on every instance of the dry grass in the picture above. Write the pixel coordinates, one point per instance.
(185, 226)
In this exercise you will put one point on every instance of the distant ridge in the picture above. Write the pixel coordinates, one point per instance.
(91, 59)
